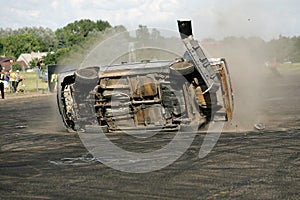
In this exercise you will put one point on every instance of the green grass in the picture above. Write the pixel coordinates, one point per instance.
(292, 66)
(33, 84)
(289, 68)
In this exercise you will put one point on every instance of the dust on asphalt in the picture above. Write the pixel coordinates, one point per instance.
(40, 160)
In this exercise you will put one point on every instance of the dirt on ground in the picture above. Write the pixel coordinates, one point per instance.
(39, 159)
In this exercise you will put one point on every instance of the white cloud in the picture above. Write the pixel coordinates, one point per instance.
(54, 4)
(76, 3)
(24, 12)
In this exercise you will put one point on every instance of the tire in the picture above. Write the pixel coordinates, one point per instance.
(87, 75)
(184, 68)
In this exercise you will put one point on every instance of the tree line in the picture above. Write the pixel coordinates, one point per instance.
(283, 49)
(58, 43)
(80, 35)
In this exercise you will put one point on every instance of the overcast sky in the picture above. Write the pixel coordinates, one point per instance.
(211, 18)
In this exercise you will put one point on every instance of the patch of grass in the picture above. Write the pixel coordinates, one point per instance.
(289, 68)
(292, 66)
(33, 84)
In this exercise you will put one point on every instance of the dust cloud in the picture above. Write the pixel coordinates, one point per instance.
(251, 80)
(245, 18)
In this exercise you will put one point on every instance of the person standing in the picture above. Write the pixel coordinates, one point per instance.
(6, 81)
(18, 79)
(39, 67)
(2, 78)
(13, 81)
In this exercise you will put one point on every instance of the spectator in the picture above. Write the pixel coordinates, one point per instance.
(12, 80)
(2, 78)
(18, 79)
(6, 82)
(39, 67)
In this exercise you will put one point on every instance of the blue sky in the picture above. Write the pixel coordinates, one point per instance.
(211, 18)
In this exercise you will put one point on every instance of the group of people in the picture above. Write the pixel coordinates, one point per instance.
(9, 80)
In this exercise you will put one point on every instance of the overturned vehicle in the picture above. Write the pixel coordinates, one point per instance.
(148, 95)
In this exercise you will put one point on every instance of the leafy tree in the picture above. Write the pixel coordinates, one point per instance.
(78, 52)
(6, 32)
(75, 32)
(73, 47)
(1, 45)
(54, 58)
(33, 63)
(281, 48)
(142, 34)
(17, 66)
(45, 36)
(15, 45)
(295, 54)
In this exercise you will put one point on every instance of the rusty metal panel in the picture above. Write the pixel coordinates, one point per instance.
(149, 116)
(226, 91)
(143, 86)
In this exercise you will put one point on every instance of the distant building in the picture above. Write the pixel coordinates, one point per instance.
(28, 57)
(7, 62)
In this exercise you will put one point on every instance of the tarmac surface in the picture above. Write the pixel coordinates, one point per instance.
(40, 160)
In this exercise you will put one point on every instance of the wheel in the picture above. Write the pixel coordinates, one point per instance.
(183, 68)
(87, 75)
